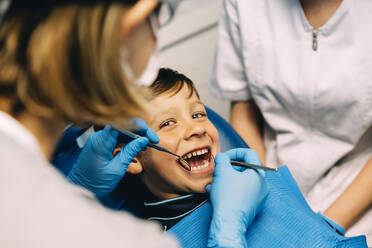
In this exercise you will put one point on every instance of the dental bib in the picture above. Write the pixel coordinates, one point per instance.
(285, 221)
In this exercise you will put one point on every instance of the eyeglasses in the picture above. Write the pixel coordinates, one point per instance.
(165, 11)
(154, 23)
(162, 14)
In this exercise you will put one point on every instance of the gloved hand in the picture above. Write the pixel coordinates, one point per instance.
(237, 195)
(97, 169)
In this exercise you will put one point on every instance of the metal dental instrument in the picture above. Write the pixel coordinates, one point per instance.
(252, 166)
(182, 161)
(242, 164)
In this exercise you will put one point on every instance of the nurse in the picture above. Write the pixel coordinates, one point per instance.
(61, 62)
(299, 76)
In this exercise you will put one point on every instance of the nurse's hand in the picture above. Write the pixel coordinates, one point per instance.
(97, 169)
(237, 195)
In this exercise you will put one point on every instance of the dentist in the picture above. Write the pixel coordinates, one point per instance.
(62, 61)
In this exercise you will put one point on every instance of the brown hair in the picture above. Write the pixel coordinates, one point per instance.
(172, 81)
(62, 62)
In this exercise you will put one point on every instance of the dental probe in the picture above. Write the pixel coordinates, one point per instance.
(255, 166)
(132, 135)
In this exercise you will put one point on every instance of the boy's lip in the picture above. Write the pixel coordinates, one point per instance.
(196, 149)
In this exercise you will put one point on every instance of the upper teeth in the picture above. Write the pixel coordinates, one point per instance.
(195, 153)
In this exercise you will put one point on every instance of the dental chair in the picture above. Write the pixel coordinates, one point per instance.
(285, 221)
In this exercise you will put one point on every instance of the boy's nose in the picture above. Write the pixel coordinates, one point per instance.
(194, 130)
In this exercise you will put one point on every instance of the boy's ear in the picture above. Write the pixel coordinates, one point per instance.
(135, 167)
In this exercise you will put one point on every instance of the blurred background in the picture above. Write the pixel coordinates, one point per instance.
(188, 46)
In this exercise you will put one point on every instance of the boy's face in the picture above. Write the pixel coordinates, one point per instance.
(183, 128)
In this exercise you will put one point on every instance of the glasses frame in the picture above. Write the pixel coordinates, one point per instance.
(171, 7)
(155, 25)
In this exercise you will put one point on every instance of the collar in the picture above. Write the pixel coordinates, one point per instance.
(169, 212)
(337, 17)
(12, 128)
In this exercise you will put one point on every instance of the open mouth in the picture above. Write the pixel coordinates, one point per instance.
(198, 159)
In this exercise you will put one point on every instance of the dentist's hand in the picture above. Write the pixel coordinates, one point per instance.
(237, 195)
(97, 169)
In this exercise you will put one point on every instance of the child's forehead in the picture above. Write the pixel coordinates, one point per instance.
(185, 93)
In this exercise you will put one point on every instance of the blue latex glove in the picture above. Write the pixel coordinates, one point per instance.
(237, 195)
(97, 169)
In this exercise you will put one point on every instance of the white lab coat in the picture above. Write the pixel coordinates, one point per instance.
(39, 208)
(317, 105)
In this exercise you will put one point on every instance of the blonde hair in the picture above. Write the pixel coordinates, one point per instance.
(64, 62)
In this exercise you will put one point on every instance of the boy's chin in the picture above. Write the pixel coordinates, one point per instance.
(201, 188)
(200, 191)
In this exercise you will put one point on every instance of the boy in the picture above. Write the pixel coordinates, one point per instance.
(168, 191)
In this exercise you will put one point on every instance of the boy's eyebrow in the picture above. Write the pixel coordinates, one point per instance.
(172, 110)
(198, 102)
(169, 110)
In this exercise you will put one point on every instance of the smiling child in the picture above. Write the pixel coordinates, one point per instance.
(180, 120)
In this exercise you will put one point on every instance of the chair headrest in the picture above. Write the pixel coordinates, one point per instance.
(229, 138)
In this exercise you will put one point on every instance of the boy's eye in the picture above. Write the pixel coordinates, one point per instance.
(199, 115)
(167, 123)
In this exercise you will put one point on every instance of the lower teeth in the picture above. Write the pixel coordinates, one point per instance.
(205, 164)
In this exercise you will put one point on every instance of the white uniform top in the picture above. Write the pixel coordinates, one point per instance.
(39, 208)
(317, 105)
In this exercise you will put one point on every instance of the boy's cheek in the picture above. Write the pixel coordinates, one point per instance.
(159, 162)
(200, 188)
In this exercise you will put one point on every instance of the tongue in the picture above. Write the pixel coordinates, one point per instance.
(196, 161)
